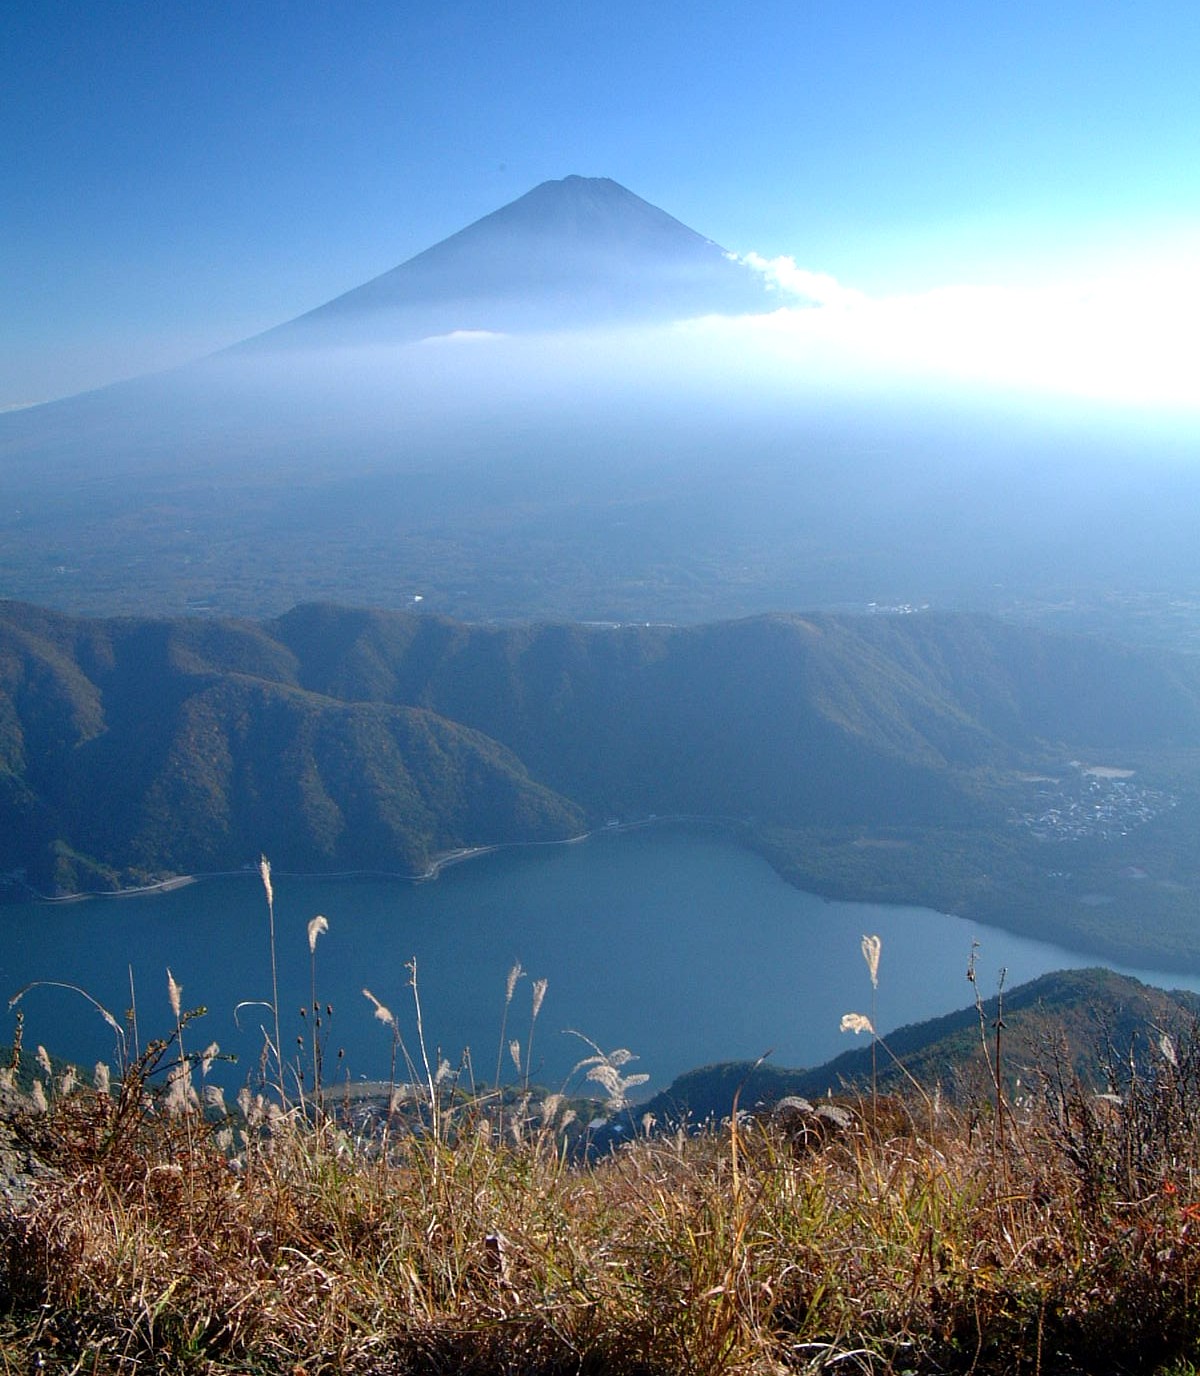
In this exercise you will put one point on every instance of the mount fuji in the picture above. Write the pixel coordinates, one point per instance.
(578, 252)
(572, 408)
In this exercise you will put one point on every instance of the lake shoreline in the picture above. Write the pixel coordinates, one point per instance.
(738, 829)
(444, 860)
(632, 937)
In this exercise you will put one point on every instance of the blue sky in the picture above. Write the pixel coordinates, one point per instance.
(178, 176)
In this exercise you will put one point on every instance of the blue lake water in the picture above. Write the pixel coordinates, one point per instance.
(676, 944)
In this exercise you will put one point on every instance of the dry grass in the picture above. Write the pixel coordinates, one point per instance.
(902, 1244)
(462, 1232)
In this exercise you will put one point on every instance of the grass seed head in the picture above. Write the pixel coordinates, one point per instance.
(316, 927)
(383, 1013)
(510, 986)
(174, 993)
(871, 948)
(856, 1022)
(180, 1094)
(539, 993)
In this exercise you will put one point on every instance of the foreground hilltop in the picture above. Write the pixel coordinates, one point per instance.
(954, 760)
(1049, 1231)
(1094, 1024)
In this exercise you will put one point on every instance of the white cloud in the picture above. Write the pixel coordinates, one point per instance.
(1129, 337)
(784, 275)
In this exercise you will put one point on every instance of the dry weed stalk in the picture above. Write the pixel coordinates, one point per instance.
(264, 870)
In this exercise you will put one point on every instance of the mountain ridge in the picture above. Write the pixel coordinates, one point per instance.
(895, 759)
(1079, 1022)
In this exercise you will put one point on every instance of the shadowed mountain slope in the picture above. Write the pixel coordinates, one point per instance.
(136, 748)
(338, 738)
(932, 691)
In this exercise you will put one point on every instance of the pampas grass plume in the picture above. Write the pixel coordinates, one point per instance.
(871, 948)
(316, 928)
(174, 993)
(539, 993)
(180, 1095)
(510, 986)
(1167, 1047)
(382, 1013)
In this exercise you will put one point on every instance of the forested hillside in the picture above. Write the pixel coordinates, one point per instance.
(942, 759)
(1094, 1024)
